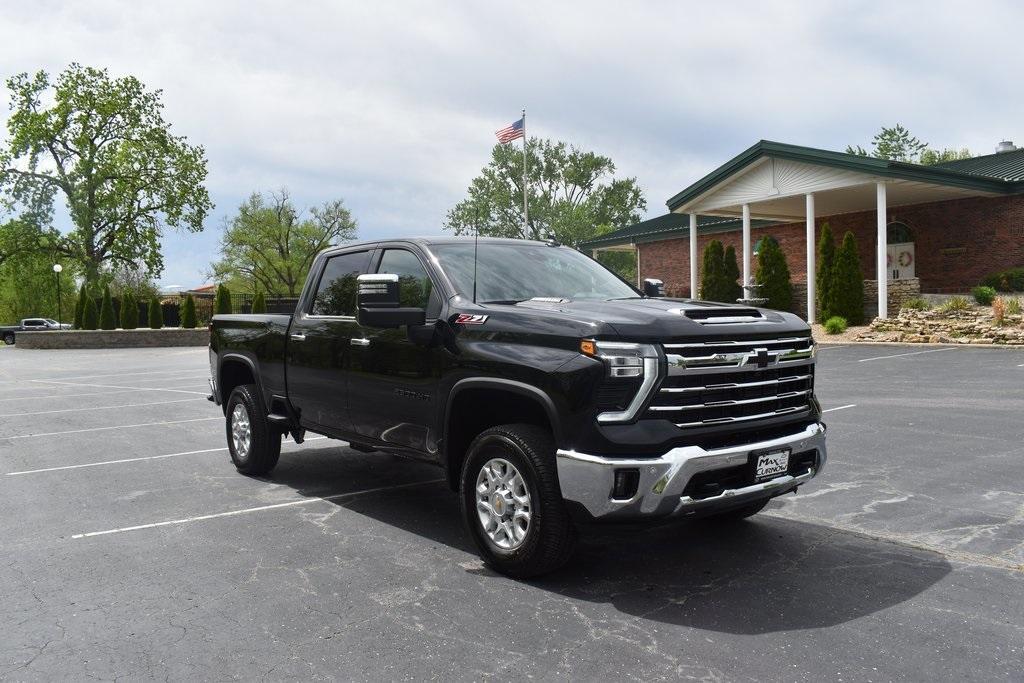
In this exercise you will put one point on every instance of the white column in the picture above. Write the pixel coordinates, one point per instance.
(693, 256)
(811, 249)
(881, 266)
(746, 251)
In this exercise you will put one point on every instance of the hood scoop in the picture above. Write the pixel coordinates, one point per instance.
(723, 316)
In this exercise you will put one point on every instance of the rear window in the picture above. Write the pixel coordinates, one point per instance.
(336, 293)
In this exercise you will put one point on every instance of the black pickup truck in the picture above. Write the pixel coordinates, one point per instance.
(550, 391)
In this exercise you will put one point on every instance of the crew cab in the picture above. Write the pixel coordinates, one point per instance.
(551, 392)
(7, 333)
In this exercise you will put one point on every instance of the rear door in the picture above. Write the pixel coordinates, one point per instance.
(395, 372)
(319, 342)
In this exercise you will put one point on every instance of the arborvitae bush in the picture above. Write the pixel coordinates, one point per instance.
(847, 285)
(90, 314)
(188, 313)
(823, 279)
(129, 312)
(773, 276)
(156, 314)
(222, 300)
(712, 276)
(731, 275)
(108, 321)
(80, 307)
(259, 304)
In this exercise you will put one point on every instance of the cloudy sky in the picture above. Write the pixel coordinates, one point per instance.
(393, 106)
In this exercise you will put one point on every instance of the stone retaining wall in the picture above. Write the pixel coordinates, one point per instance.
(900, 291)
(112, 339)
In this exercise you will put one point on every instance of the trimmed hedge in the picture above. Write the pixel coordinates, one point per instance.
(222, 300)
(188, 313)
(823, 278)
(1009, 280)
(847, 287)
(773, 276)
(90, 314)
(108, 321)
(731, 275)
(129, 312)
(80, 307)
(259, 304)
(156, 314)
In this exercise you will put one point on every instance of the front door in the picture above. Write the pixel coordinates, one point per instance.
(319, 343)
(901, 261)
(394, 372)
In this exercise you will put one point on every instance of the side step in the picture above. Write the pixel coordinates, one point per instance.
(288, 426)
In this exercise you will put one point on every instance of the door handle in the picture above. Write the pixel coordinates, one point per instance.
(298, 337)
(356, 341)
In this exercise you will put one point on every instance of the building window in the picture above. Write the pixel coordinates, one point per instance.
(898, 233)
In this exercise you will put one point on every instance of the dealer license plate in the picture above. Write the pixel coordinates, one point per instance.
(771, 465)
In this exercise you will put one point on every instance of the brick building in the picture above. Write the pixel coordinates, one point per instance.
(938, 228)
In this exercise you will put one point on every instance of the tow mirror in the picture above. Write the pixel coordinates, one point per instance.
(378, 303)
(653, 287)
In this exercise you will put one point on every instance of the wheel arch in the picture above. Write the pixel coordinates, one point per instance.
(469, 411)
(235, 369)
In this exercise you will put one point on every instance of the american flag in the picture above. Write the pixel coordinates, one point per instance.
(513, 132)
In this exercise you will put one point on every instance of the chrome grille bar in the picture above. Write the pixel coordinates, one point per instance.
(760, 342)
(744, 418)
(733, 385)
(731, 402)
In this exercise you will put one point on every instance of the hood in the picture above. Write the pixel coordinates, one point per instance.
(658, 319)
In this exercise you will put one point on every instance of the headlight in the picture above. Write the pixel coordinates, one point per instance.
(625, 361)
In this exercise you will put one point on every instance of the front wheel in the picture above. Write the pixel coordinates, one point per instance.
(253, 442)
(512, 503)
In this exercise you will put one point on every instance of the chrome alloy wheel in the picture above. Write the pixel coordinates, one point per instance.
(241, 431)
(503, 503)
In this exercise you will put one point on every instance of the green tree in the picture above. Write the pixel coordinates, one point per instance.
(573, 195)
(712, 278)
(222, 300)
(129, 312)
(847, 288)
(80, 307)
(90, 314)
(897, 144)
(823, 278)
(188, 313)
(28, 287)
(107, 319)
(155, 314)
(271, 245)
(731, 275)
(773, 276)
(259, 304)
(102, 144)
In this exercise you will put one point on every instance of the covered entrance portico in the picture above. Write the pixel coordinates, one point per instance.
(786, 184)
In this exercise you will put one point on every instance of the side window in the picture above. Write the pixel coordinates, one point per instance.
(414, 285)
(336, 294)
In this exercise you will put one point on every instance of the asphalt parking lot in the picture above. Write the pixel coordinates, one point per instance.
(130, 548)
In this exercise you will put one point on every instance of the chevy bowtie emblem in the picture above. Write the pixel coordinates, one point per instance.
(761, 357)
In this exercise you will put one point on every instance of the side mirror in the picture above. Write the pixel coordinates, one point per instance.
(378, 303)
(653, 287)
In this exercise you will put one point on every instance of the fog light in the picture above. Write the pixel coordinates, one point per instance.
(626, 483)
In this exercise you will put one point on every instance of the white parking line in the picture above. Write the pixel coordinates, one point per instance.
(100, 429)
(123, 405)
(139, 459)
(912, 353)
(231, 513)
(116, 386)
(126, 374)
(850, 405)
(91, 393)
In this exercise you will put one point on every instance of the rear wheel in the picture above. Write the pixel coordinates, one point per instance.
(512, 503)
(9, 338)
(253, 442)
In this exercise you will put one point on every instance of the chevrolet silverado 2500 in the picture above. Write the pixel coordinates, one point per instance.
(550, 391)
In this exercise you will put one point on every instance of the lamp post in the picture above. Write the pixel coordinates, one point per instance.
(56, 272)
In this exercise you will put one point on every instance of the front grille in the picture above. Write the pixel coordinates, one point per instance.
(727, 381)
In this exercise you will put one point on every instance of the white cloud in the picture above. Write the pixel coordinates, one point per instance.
(392, 106)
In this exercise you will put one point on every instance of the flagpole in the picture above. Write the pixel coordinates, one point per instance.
(526, 210)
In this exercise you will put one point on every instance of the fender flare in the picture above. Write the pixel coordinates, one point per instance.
(522, 388)
(246, 360)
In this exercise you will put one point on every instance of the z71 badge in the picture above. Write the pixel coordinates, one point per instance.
(470, 319)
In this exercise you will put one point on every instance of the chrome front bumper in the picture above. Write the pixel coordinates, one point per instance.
(588, 480)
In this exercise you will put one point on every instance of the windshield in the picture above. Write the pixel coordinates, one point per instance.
(517, 272)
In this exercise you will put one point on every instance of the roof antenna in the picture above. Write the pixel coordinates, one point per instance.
(476, 245)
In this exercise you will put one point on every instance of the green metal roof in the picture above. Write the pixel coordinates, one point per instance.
(666, 227)
(945, 174)
(1008, 166)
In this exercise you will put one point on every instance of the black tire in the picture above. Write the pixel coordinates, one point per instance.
(550, 537)
(740, 513)
(264, 444)
(9, 338)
